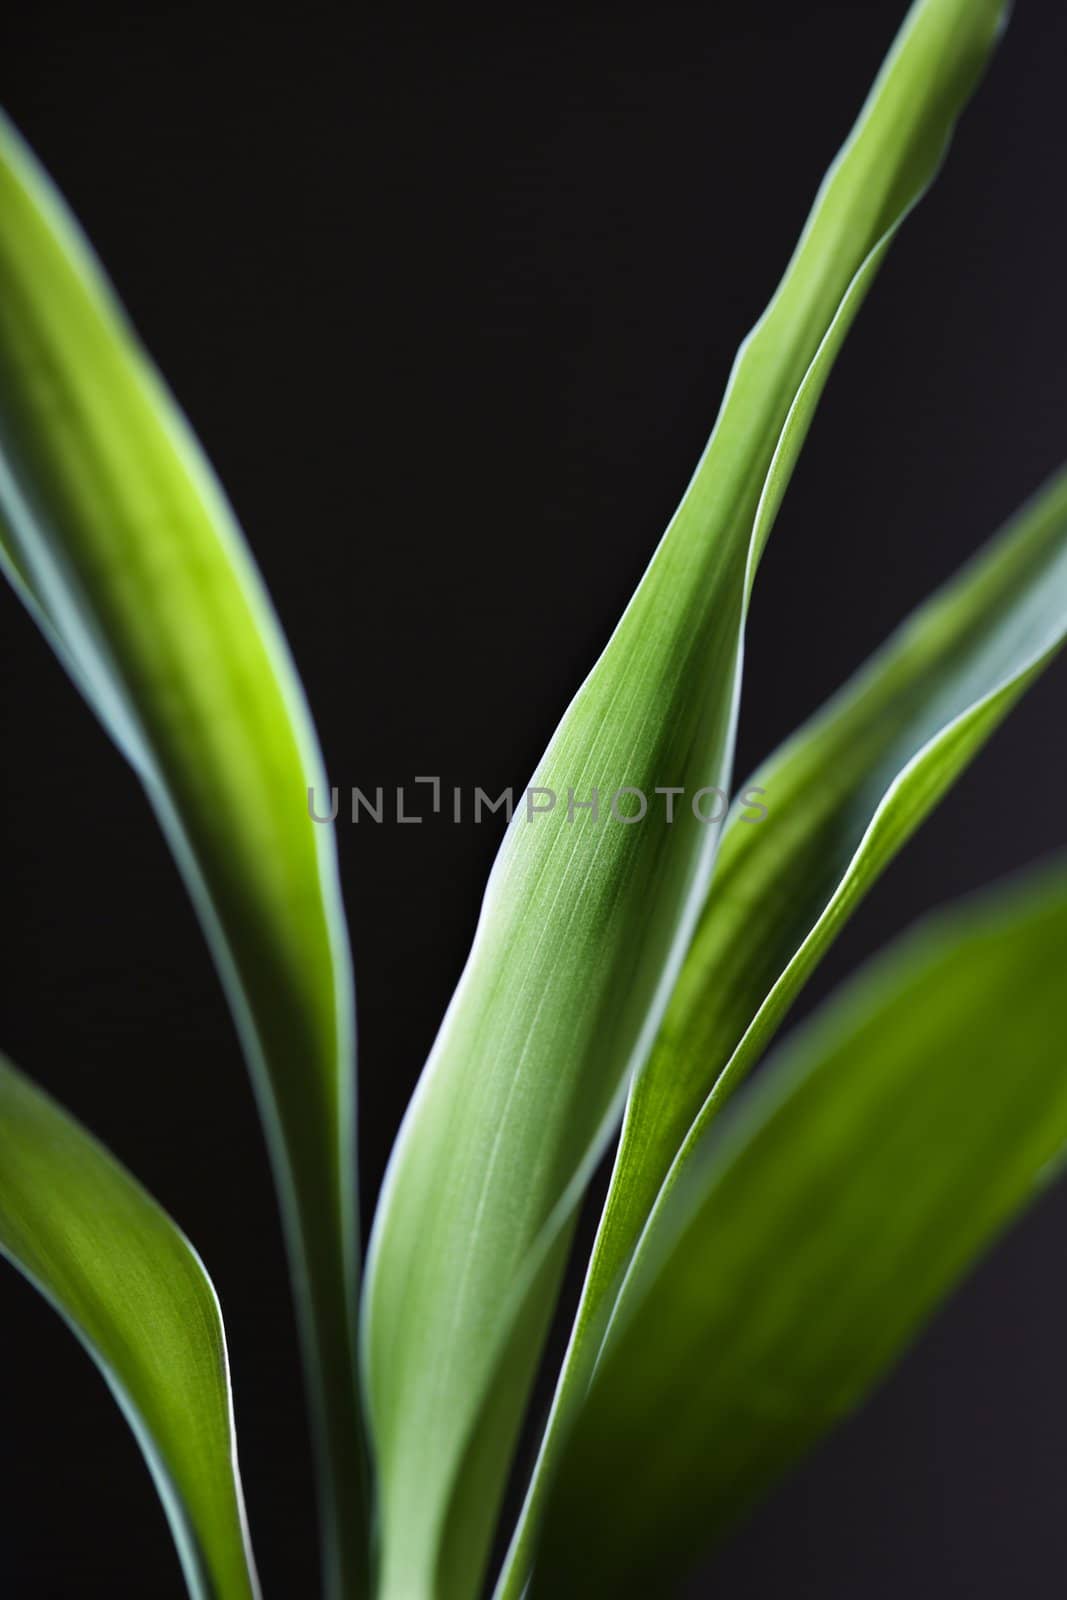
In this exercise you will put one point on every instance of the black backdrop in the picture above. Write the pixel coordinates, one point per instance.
(451, 304)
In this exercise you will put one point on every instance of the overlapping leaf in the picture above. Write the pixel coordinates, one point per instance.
(843, 797)
(133, 1289)
(119, 539)
(815, 1229)
(587, 917)
(839, 800)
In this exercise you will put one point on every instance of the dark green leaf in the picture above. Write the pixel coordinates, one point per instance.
(816, 1227)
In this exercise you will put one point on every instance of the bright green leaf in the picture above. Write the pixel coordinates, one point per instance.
(121, 541)
(841, 798)
(816, 1228)
(586, 917)
(134, 1290)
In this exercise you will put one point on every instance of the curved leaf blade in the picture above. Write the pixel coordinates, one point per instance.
(135, 1292)
(127, 553)
(584, 925)
(816, 1229)
(847, 792)
(841, 798)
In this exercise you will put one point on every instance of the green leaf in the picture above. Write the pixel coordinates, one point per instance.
(586, 918)
(840, 799)
(124, 547)
(135, 1292)
(817, 1227)
(843, 797)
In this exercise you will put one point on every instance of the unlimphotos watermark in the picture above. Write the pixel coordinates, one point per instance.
(625, 805)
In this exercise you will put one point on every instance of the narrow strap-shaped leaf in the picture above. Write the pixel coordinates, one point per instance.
(843, 796)
(586, 916)
(121, 542)
(817, 1227)
(838, 801)
(135, 1292)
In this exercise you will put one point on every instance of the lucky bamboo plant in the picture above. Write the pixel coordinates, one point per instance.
(754, 1272)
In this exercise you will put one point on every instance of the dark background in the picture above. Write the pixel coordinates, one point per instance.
(452, 305)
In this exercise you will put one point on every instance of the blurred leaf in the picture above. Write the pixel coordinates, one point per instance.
(586, 917)
(815, 1229)
(123, 545)
(840, 798)
(133, 1289)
